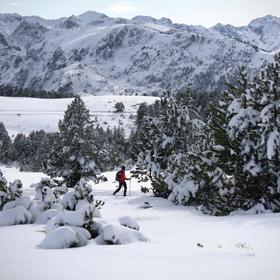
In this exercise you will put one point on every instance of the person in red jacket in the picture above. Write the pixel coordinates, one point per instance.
(122, 182)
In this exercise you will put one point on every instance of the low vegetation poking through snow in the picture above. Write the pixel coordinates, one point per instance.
(69, 216)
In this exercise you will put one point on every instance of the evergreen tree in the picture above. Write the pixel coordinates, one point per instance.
(164, 141)
(240, 170)
(6, 145)
(119, 107)
(21, 145)
(32, 151)
(75, 153)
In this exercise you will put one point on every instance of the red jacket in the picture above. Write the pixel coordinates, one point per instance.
(122, 176)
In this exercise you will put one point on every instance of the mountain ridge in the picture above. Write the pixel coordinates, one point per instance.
(96, 54)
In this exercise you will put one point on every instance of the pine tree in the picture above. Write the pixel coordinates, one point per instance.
(267, 138)
(220, 177)
(240, 169)
(22, 146)
(75, 153)
(32, 151)
(6, 145)
(164, 142)
(119, 107)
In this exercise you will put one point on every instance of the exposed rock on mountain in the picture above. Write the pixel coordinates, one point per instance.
(96, 54)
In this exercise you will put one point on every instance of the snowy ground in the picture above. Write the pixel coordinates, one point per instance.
(22, 114)
(236, 247)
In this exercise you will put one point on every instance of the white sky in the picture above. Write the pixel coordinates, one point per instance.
(203, 12)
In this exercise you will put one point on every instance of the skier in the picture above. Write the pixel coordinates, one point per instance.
(121, 178)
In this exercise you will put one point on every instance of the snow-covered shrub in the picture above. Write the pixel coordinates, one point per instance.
(129, 222)
(15, 216)
(9, 192)
(42, 217)
(256, 209)
(183, 192)
(3, 185)
(66, 237)
(118, 234)
(46, 203)
(69, 201)
(24, 201)
(56, 187)
(13, 204)
(81, 197)
(79, 218)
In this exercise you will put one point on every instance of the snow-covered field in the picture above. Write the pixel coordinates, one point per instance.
(183, 244)
(21, 114)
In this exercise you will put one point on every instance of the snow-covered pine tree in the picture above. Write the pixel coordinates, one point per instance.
(240, 170)
(147, 151)
(32, 151)
(22, 149)
(6, 145)
(267, 138)
(221, 180)
(256, 126)
(163, 143)
(190, 138)
(75, 154)
(117, 147)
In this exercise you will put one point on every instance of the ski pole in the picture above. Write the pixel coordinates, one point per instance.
(130, 187)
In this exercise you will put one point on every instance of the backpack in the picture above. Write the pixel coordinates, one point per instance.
(118, 176)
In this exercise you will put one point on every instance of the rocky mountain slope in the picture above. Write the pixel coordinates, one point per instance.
(93, 53)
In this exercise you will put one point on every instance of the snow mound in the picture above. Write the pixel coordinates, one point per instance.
(118, 234)
(15, 216)
(24, 201)
(129, 222)
(256, 209)
(69, 218)
(46, 216)
(66, 237)
(69, 201)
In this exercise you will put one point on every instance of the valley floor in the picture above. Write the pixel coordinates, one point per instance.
(23, 115)
(235, 247)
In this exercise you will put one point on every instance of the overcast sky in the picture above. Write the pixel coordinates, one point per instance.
(203, 12)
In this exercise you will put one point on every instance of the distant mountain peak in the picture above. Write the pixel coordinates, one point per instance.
(144, 19)
(91, 17)
(71, 22)
(98, 54)
(266, 20)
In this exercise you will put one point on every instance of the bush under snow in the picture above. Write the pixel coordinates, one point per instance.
(66, 237)
(15, 216)
(79, 218)
(129, 222)
(118, 234)
(64, 228)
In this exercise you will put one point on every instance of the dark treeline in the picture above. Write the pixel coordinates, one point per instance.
(33, 152)
(12, 91)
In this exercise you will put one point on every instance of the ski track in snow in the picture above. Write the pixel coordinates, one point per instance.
(234, 247)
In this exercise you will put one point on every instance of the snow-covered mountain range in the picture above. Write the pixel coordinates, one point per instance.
(96, 54)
